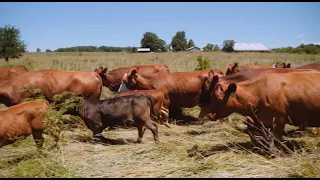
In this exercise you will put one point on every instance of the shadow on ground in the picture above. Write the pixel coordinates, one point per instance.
(104, 141)
(247, 147)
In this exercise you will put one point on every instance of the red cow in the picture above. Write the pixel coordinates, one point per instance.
(113, 79)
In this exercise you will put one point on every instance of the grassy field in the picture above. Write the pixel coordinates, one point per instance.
(215, 149)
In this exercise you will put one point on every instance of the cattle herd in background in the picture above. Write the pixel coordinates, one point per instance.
(270, 95)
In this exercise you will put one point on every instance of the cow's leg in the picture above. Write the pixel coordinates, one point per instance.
(165, 116)
(154, 129)
(97, 136)
(38, 138)
(141, 131)
(279, 128)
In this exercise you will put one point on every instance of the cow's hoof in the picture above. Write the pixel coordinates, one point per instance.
(139, 141)
(167, 125)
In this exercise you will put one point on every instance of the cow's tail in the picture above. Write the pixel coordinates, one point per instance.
(82, 110)
(100, 84)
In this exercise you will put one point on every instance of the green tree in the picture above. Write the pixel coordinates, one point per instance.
(228, 45)
(152, 41)
(162, 45)
(216, 48)
(190, 43)
(10, 44)
(38, 50)
(179, 41)
(208, 47)
(48, 50)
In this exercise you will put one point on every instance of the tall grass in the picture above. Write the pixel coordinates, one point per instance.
(215, 149)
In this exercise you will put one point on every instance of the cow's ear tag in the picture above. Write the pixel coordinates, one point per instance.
(233, 95)
(106, 73)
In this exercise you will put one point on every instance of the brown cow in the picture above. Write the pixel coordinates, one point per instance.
(113, 79)
(22, 120)
(211, 82)
(315, 65)
(282, 98)
(182, 89)
(160, 104)
(235, 68)
(50, 82)
(6, 72)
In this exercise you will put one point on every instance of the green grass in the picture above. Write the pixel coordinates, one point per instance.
(215, 149)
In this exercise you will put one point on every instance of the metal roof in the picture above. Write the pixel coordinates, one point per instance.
(143, 49)
(193, 47)
(250, 47)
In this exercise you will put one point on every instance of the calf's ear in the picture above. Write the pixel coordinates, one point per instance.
(232, 88)
(288, 65)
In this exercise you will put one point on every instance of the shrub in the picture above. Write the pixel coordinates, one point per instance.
(203, 63)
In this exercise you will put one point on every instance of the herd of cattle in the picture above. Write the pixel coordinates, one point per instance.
(272, 95)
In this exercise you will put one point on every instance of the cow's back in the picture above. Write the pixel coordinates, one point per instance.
(252, 73)
(12, 71)
(295, 94)
(156, 96)
(315, 65)
(52, 82)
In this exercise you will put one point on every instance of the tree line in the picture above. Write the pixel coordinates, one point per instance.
(11, 46)
(302, 48)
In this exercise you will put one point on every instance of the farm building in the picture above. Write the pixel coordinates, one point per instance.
(143, 50)
(193, 49)
(253, 47)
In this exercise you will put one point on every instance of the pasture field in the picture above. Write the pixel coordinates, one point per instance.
(215, 149)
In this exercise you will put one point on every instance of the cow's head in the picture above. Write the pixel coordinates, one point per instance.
(283, 65)
(211, 74)
(222, 96)
(232, 68)
(103, 74)
(206, 87)
(17, 70)
(131, 79)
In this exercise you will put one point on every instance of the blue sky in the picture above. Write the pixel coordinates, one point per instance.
(53, 25)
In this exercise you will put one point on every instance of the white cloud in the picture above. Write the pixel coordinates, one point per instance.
(302, 42)
(46, 36)
(317, 43)
(301, 35)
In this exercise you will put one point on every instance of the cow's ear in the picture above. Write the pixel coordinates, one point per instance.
(105, 70)
(288, 65)
(232, 88)
(99, 70)
(214, 81)
(133, 72)
(235, 65)
(210, 74)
